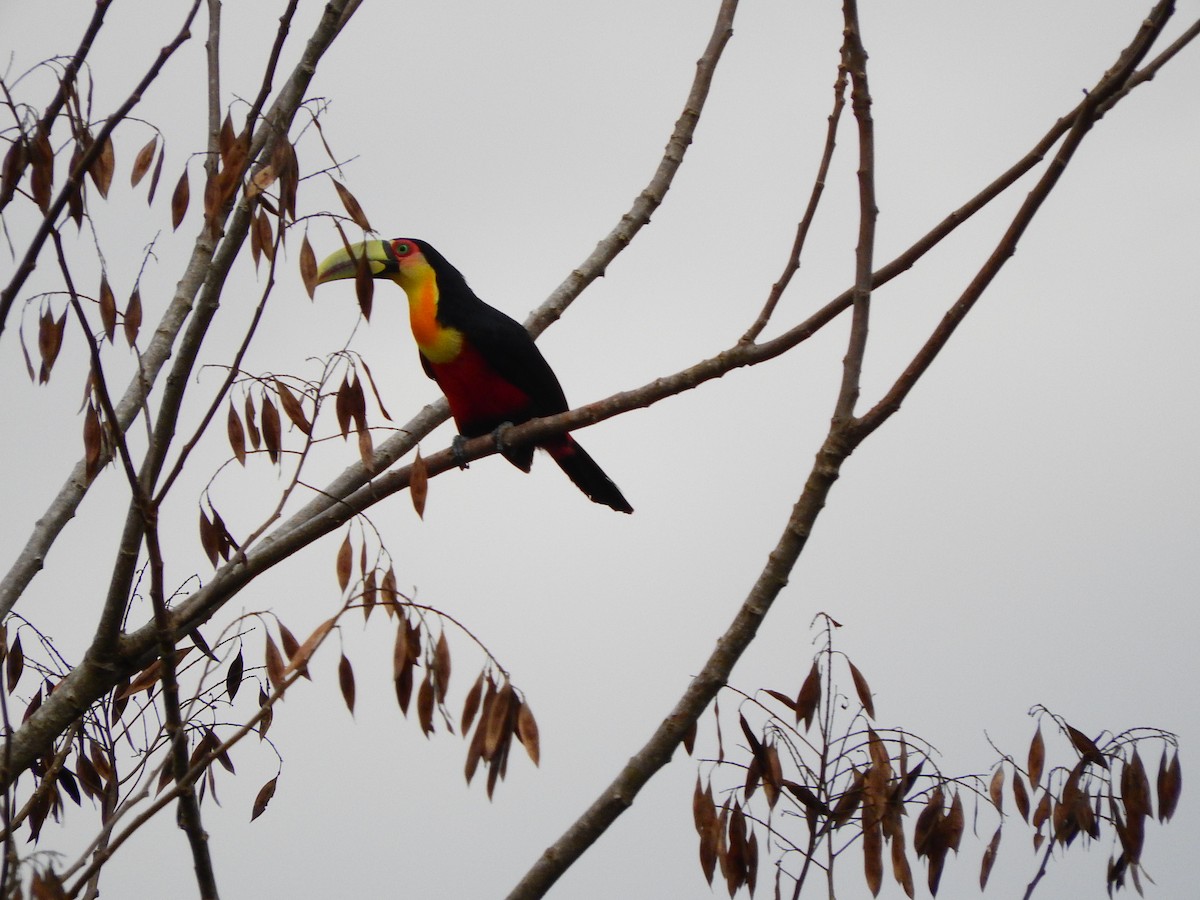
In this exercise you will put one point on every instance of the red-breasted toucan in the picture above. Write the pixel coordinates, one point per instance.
(486, 364)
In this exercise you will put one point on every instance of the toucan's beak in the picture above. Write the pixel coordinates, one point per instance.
(378, 255)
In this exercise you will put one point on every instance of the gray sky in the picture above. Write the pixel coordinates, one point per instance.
(1023, 531)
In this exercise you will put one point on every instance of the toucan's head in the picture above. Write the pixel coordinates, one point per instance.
(402, 260)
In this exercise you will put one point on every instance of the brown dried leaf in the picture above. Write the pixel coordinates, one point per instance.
(353, 209)
(15, 161)
(370, 594)
(863, 690)
(158, 167)
(872, 843)
(265, 793)
(266, 238)
(225, 138)
(233, 677)
(374, 389)
(292, 407)
(93, 442)
(1135, 788)
(75, 195)
(133, 316)
(251, 428)
(418, 484)
(345, 562)
(809, 697)
(425, 703)
(441, 666)
(274, 663)
(366, 450)
(108, 308)
(41, 171)
(179, 199)
(527, 733)
(1086, 746)
(955, 822)
(989, 859)
(271, 430)
(996, 789)
(14, 663)
(1020, 795)
(298, 660)
(237, 434)
(471, 704)
(346, 682)
(103, 166)
(50, 338)
(141, 163)
(364, 286)
(497, 726)
(209, 539)
(308, 266)
(1037, 757)
(1170, 785)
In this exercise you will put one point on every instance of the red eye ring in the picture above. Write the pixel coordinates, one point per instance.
(402, 248)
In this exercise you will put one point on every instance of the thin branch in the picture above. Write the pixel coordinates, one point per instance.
(74, 181)
(855, 62)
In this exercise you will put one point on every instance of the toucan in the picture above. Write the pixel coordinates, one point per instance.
(486, 364)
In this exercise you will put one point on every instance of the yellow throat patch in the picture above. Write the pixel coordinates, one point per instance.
(436, 342)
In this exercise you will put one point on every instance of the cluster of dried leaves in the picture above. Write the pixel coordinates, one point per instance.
(853, 783)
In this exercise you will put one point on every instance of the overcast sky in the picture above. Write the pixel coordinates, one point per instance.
(1024, 531)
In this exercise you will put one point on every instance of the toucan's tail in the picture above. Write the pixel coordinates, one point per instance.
(587, 475)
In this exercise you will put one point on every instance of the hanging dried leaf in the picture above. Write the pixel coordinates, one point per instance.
(265, 793)
(233, 677)
(290, 644)
(989, 859)
(251, 428)
(425, 705)
(872, 844)
(1169, 785)
(374, 390)
(209, 539)
(996, 789)
(1086, 747)
(133, 317)
(292, 407)
(1020, 795)
(41, 171)
(1135, 787)
(402, 667)
(1037, 757)
(75, 188)
(497, 726)
(108, 308)
(103, 166)
(50, 338)
(418, 484)
(271, 431)
(158, 167)
(93, 442)
(225, 138)
(345, 562)
(255, 238)
(236, 434)
(266, 238)
(441, 667)
(366, 450)
(346, 682)
(141, 163)
(14, 663)
(862, 689)
(527, 733)
(370, 594)
(353, 209)
(274, 663)
(179, 199)
(364, 286)
(15, 162)
(308, 266)
(809, 697)
(471, 704)
(299, 659)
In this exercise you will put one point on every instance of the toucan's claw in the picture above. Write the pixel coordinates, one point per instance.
(498, 433)
(457, 451)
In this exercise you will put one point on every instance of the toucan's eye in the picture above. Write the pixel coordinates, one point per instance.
(401, 248)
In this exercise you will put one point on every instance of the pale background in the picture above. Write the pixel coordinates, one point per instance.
(1023, 532)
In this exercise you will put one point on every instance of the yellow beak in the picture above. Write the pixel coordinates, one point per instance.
(344, 263)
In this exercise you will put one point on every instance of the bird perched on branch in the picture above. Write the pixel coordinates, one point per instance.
(486, 364)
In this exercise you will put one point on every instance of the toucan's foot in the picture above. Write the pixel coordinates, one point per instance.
(498, 434)
(457, 451)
